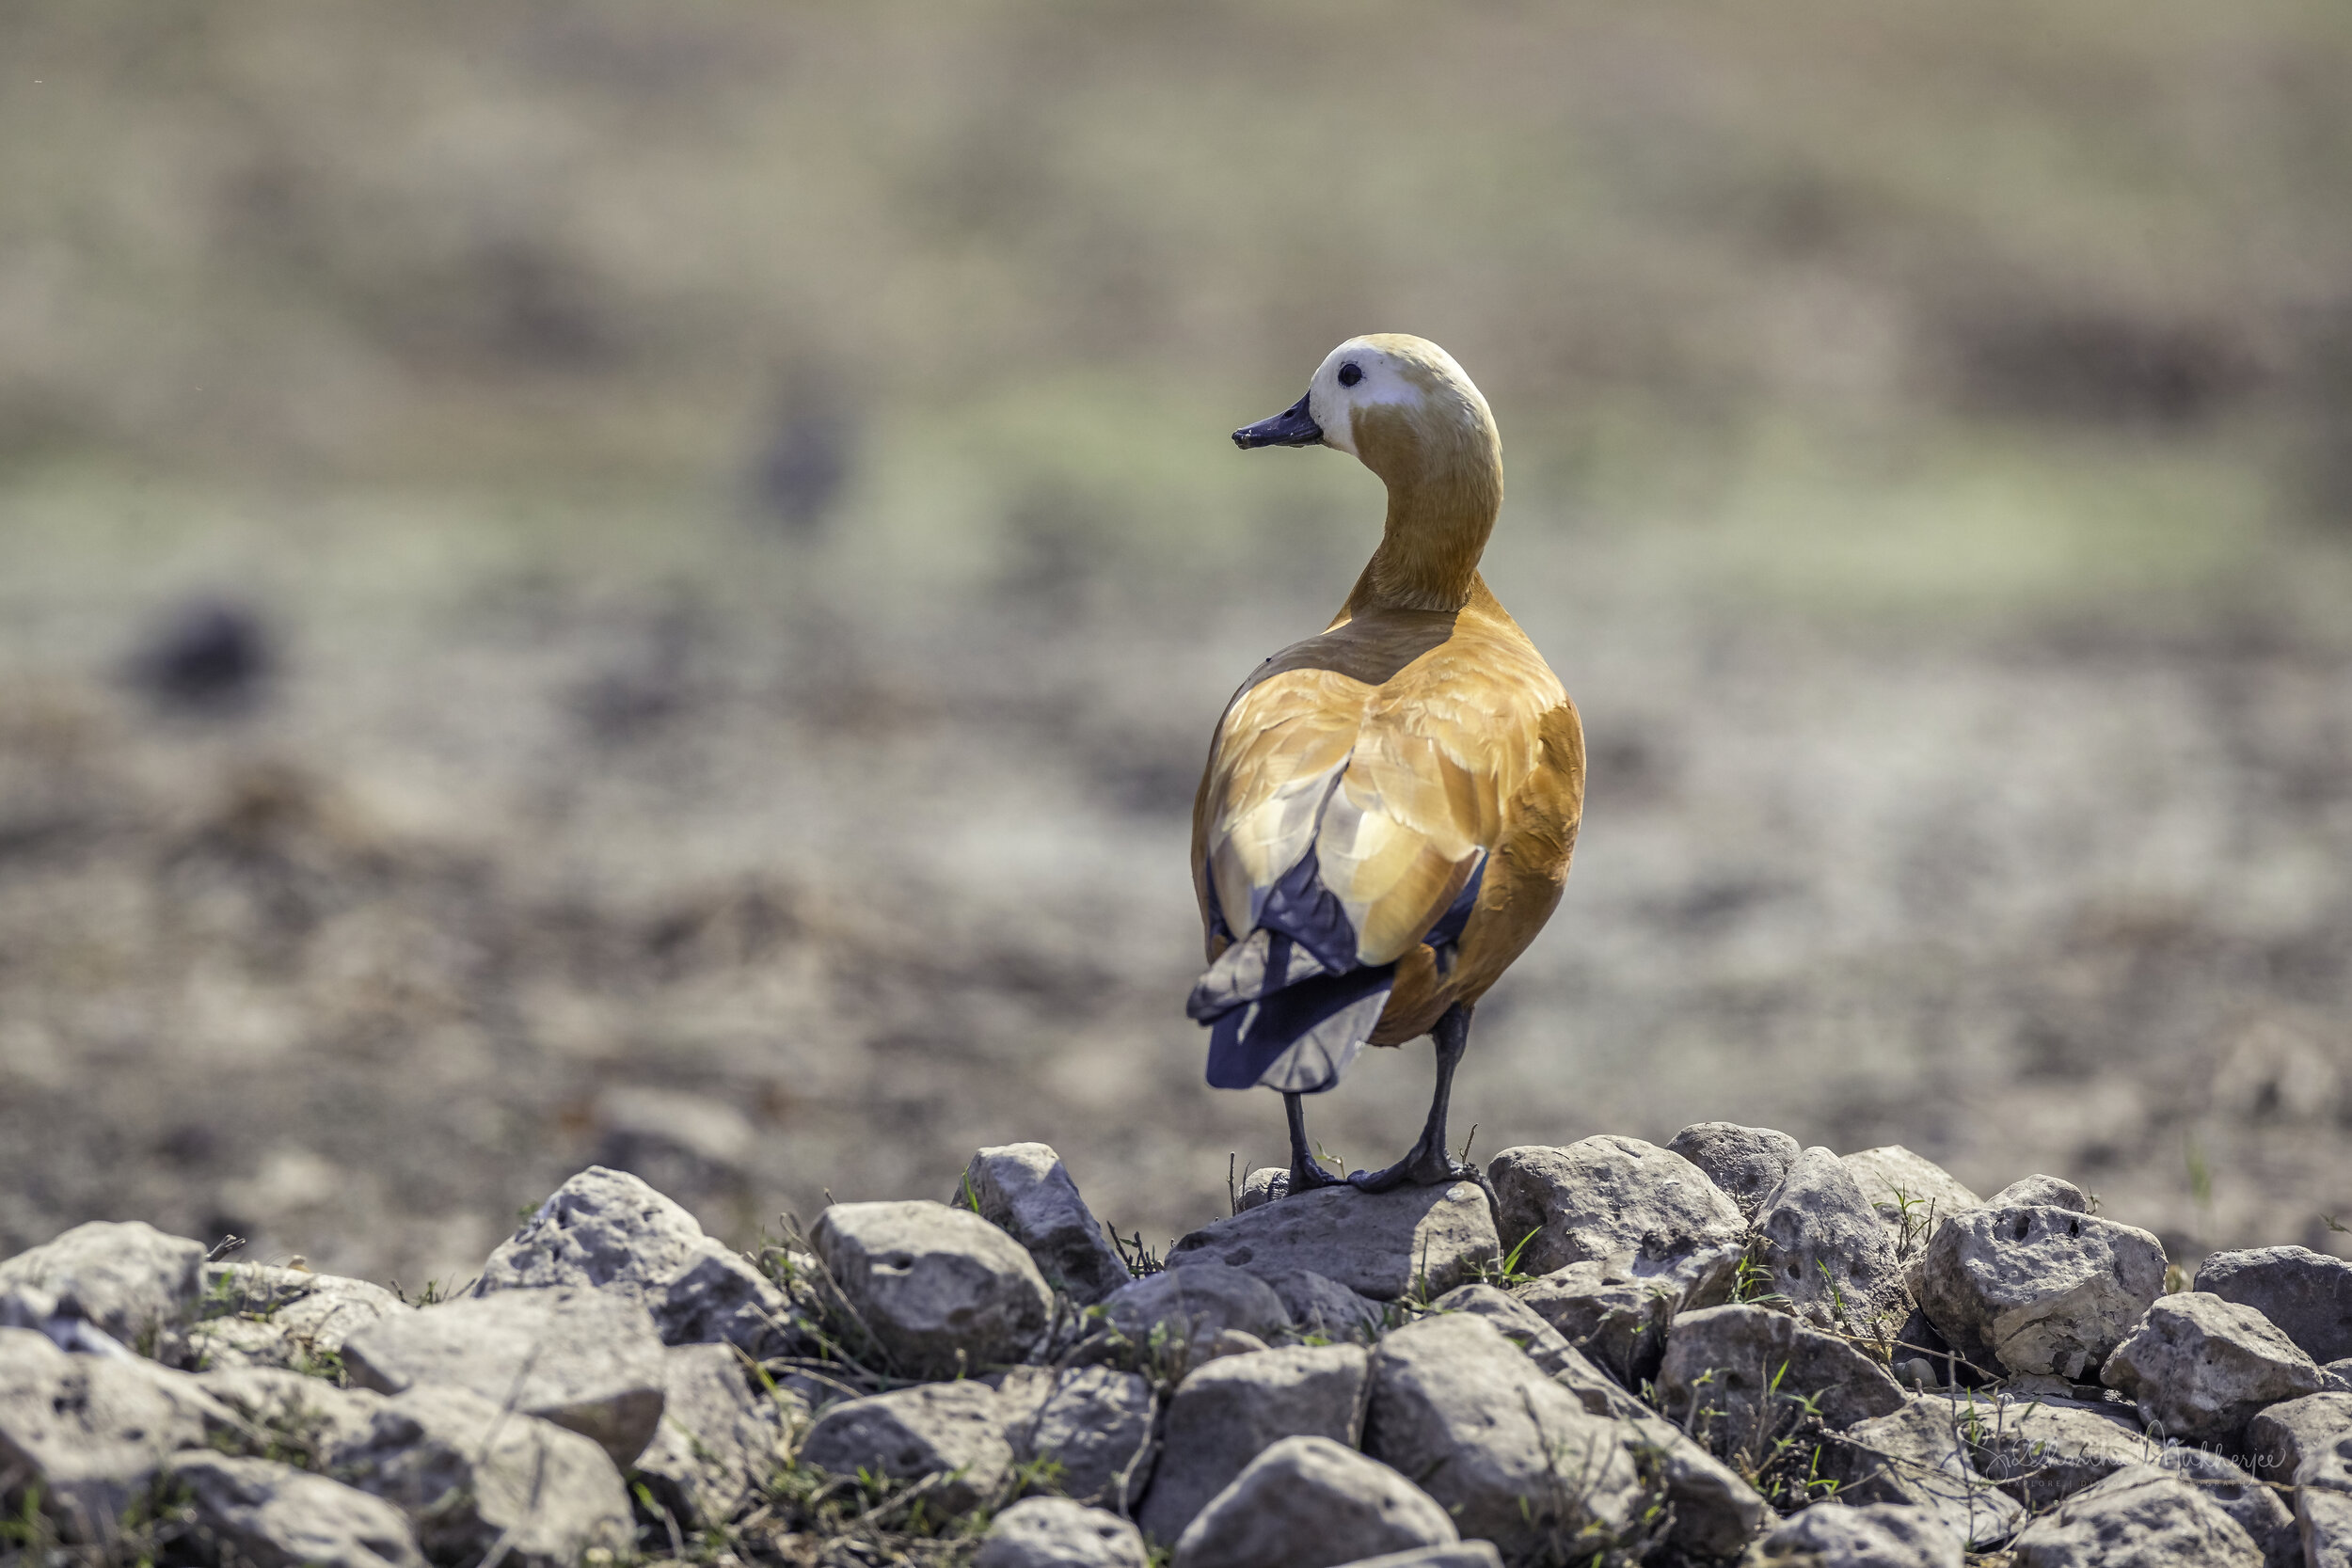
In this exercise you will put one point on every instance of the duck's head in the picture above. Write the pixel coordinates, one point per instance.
(1383, 398)
(1407, 411)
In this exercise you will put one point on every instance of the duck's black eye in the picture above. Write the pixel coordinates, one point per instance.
(1349, 375)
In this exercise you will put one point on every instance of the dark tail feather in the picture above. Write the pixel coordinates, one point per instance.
(1300, 1037)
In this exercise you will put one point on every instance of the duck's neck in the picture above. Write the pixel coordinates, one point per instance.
(1443, 496)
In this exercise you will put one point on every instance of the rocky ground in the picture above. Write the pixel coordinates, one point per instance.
(1729, 1349)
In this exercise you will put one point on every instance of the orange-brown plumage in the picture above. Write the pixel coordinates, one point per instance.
(1417, 742)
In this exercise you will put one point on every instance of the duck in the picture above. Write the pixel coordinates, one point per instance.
(1389, 807)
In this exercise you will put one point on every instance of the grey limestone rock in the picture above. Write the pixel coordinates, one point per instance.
(1260, 1186)
(1830, 1251)
(1055, 1532)
(1735, 1375)
(1378, 1245)
(607, 1230)
(2141, 1517)
(91, 1431)
(473, 1477)
(584, 1359)
(718, 1297)
(127, 1279)
(2044, 1451)
(1196, 1304)
(1095, 1424)
(1875, 1535)
(288, 1413)
(270, 1516)
(2307, 1294)
(2040, 1191)
(2323, 1502)
(1912, 1193)
(718, 1438)
(1615, 1320)
(942, 1291)
(2279, 1439)
(1510, 1453)
(1462, 1554)
(257, 1316)
(1544, 1344)
(950, 1430)
(1225, 1413)
(1608, 1197)
(1747, 1163)
(2261, 1509)
(1919, 1457)
(602, 1228)
(2036, 1290)
(1311, 1502)
(1024, 1189)
(2201, 1367)
(1321, 1305)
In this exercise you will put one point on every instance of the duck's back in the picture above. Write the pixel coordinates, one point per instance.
(1361, 779)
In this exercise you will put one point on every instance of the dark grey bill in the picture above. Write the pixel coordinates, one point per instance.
(1293, 427)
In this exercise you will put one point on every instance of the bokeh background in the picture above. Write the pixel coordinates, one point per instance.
(597, 581)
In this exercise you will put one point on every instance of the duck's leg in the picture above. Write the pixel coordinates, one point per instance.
(1306, 1172)
(1428, 1163)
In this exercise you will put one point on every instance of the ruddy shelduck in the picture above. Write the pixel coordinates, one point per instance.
(1389, 807)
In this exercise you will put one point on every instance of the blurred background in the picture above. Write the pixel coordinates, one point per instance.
(591, 581)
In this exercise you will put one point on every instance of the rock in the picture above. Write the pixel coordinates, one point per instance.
(953, 1431)
(256, 1316)
(2201, 1367)
(1876, 1535)
(1095, 1423)
(1714, 1512)
(1196, 1304)
(1055, 1532)
(718, 1437)
(1462, 1554)
(1912, 1193)
(1225, 1413)
(474, 1477)
(271, 1515)
(89, 1430)
(586, 1360)
(1024, 1189)
(2257, 1508)
(1383, 1246)
(603, 1229)
(1619, 1322)
(1326, 1307)
(717, 1297)
(1515, 1457)
(1311, 1502)
(2040, 1191)
(2036, 1290)
(2339, 1374)
(128, 1279)
(1605, 1197)
(2323, 1501)
(1828, 1251)
(941, 1290)
(2281, 1437)
(1541, 1343)
(607, 1230)
(1745, 1162)
(1260, 1186)
(1919, 1457)
(289, 1416)
(2142, 1517)
(2306, 1294)
(2044, 1451)
(1736, 1376)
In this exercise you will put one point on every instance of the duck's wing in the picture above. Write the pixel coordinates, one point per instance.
(1339, 822)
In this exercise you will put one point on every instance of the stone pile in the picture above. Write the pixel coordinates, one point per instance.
(1728, 1350)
